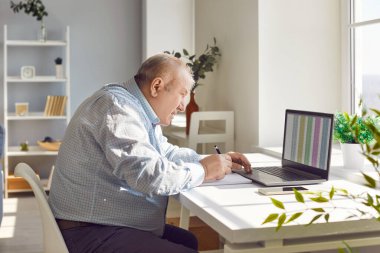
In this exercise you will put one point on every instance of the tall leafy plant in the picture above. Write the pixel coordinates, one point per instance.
(31, 7)
(202, 64)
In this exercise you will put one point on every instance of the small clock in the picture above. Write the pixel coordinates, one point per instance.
(27, 72)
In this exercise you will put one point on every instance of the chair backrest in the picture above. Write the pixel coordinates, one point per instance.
(53, 240)
(197, 137)
(2, 137)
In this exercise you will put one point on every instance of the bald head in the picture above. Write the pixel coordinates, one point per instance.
(161, 65)
(165, 81)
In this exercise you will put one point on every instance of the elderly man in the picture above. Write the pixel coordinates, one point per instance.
(115, 169)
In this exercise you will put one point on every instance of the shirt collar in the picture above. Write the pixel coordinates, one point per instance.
(134, 89)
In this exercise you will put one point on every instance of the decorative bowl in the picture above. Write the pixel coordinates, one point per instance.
(50, 146)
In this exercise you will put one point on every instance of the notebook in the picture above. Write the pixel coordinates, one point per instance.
(306, 151)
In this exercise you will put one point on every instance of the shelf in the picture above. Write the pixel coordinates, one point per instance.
(36, 79)
(15, 87)
(33, 116)
(37, 43)
(24, 190)
(19, 184)
(33, 151)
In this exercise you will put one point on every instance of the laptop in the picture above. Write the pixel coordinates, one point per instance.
(306, 151)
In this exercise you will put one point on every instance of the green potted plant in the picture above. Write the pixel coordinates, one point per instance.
(352, 131)
(365, 131)
(35, 8)
(199, 66)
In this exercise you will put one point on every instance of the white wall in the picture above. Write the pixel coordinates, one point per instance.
(167, 25)
(234, 83)
(105, 40)
(276, 55)
(299, 63)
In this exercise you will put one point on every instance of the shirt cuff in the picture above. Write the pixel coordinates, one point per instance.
(197, 174)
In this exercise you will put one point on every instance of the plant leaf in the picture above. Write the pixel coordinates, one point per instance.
(320, 199)
(294, 216)
(370, 181)
(327, 217)
(353, 121)
(277, 203)
(314, 219)
(370, 199)
(350, 216)
(271, 217)
(344, 191)
(349, 249)
(332, 192)
(320, 210)
(376, 111)
(298, 196)
(281, 221)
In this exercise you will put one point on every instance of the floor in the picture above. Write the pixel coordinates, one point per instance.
(21, 228)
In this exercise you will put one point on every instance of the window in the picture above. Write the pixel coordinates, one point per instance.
(365, 52)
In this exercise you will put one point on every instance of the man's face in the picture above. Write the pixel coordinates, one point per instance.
(172, 97)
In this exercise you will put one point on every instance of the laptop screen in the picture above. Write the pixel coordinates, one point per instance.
(307, 138)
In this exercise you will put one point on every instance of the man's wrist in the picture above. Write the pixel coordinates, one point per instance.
(197, 174)
(205, 170)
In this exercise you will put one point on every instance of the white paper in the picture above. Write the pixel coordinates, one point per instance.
(232, 178)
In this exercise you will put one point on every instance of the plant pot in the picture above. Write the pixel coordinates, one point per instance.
(59, 71)
(190, 108)
(353, 159)
(42, 34)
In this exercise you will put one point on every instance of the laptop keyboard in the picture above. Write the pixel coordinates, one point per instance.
(281, 173)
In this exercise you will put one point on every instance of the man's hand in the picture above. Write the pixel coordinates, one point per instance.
(239, 161)
(216, 166)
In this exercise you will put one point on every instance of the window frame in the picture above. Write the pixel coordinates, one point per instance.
(349, 54)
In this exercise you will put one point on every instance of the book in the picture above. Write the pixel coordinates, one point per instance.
(55, 105)
(47, 105)
(63, 105)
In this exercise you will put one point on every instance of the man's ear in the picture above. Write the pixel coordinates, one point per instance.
(155, 86)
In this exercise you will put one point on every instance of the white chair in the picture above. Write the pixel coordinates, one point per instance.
(53, 240)
(2, 136)
(201, 134)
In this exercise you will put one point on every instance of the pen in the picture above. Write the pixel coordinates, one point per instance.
(217, 149)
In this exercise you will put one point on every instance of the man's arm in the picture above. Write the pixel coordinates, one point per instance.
(134, 159)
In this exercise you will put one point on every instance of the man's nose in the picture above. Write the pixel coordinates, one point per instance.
(182, 106)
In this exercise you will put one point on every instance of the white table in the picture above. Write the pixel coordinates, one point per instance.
(236, 212)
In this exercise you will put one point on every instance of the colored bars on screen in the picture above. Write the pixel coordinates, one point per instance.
(306, 140)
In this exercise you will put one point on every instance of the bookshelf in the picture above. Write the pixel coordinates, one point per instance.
(49, 100)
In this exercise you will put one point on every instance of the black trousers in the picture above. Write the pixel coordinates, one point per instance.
(107, 239)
